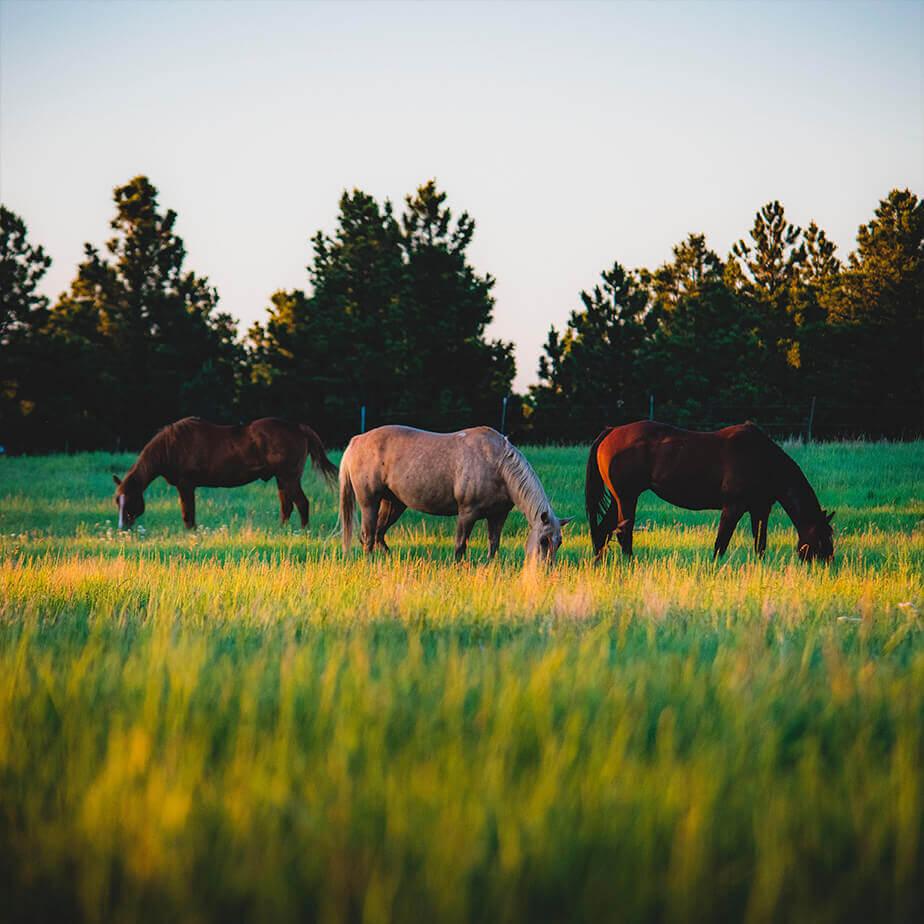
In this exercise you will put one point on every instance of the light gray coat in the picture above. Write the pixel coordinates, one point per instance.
(474, 474)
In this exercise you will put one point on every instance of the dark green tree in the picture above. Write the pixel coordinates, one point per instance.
(395, 322)
(148, 343)
(454, 373)
(694, 266)
(880, 304)
(596, 372)
(816, 356)
(767, 266)
(709, 366)
(320, 356)
(23, 314)
(763, 272)
(22, 266)
(706, 359)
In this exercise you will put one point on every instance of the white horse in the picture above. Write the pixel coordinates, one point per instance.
(472, 474)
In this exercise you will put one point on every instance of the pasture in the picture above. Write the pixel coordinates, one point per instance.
(239, 723)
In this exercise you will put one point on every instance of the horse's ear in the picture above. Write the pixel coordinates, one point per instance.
(564, 521)
(117, 479)
(830, 516)
(545, 516)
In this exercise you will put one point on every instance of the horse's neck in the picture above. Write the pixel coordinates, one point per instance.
(797, 497)
(523, 485)
(145, 469)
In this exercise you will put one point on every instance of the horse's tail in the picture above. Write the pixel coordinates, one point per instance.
(597, 500)
(319, 454)
(347, 501)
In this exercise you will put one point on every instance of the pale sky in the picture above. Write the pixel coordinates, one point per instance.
(575, 134)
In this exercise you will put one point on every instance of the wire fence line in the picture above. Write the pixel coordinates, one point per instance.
(817, 419)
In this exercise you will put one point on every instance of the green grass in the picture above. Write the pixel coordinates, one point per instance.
(243, 724)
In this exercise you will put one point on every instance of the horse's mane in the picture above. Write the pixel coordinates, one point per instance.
(159, 448)
(165, 440)
(524, 483)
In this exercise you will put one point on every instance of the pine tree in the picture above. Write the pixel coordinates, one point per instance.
(22, 266)
(763, 272)
(596, 372)
(23, 314)
(394, 322)
(143, 333)
(817, 352)
(693, 267)
(881, 304)
(455, 375)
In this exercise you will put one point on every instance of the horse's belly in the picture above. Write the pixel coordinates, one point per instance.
(208, 480)
(435, 506)
(442, 510)
(436, 500)
(689, 496)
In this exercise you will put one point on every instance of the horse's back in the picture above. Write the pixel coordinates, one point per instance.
(689, 468)
(625, 454)
(427, 471)
(229, 455)
(394, 440)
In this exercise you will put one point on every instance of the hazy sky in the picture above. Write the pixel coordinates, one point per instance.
(575, 134)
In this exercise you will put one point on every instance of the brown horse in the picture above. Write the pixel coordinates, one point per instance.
(472, 474)
(735, 470)
(193, 453)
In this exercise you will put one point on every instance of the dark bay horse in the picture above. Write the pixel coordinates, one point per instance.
(472, 474)
(735, 470)
(194, 453)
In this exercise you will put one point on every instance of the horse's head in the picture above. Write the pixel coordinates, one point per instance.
(817, 540)
(129, 499)
(544, 538)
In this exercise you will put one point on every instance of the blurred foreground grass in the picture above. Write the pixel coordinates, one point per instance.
(242, 724)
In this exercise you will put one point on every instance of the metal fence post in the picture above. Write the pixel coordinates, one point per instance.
(651, 407)
(811, 420)
(362, 419)
(503, 414)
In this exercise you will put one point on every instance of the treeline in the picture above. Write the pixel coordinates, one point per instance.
(779, 321)
(394, 320)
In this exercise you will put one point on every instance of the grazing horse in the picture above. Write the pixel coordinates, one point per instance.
(193, 453)
(473, 474)
(735, 470)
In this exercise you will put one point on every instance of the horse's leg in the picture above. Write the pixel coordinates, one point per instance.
(187, 504)
(759, 519)
(301, 503)
(369, 515)
(389, 512)
(285, 498)
(607, 526)
(626, 522)
(495, 525)
(291, 494)
(727, 523)
(464, 526)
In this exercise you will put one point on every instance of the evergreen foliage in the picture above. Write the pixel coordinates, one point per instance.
(599, 364)
(23, 312)
(781, 320)
(880, 304)
(395, 321)
(136, 342)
